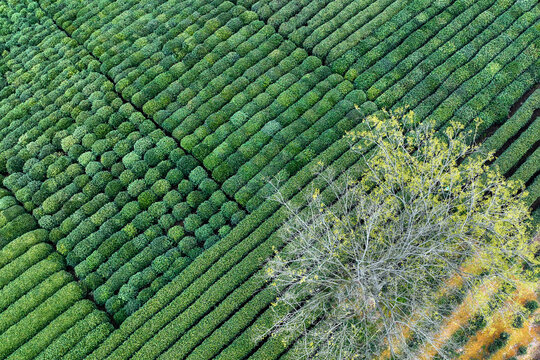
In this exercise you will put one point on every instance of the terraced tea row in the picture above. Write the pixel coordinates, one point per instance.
(43, 312)
(138, 140)
(125, 205)
(283, 105)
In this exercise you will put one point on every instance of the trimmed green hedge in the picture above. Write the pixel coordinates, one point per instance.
(20, 245)
(39, 317)
(206, 326)
(526, 141)
(72, 336)
(15, 228)
(27, 281)
(403, 59)
(386, 37)
(55, 328)
(530, 167)
(451, 56)
(21, 263)
(93, 339)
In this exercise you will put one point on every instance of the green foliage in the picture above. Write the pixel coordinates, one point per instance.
(401, 166)
(203, 233)
(208, 186)
(55, 328)
(181, 210)
(187, 244)
(192, 222)
(229, 209)
(531, 305)
(161, 187)
(146, 198)
(185, 187)
(44, 313)
(195, 198)
(237, 217)
(218, 198)
(176, 233)
(17, 227)
(68, 339)
(174, 177)
(102, 180)
(197, 175)
(498, 343)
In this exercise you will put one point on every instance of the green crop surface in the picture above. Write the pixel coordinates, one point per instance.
(140, 141)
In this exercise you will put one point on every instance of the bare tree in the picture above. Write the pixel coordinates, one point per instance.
(361, 274)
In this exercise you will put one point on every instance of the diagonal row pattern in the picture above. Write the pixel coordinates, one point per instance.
(123, 203)
(284, 107)
(43, 310)
(188, 104)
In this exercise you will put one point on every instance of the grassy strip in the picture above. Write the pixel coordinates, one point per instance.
(15, 228)
(90, 342)
(512, 126)
(374, 46)
(472, 78)
(236, 324)
(422, 38)
(427, 76)
(362, 29)
(534, 193)
(32, 299)
(509, 158)
(479, 91)
(530, 167)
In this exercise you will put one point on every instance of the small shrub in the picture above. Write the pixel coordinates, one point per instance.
(192, 223)
(522, 350)
(195, 198)
(187, 244)
(229, 209)
(146, 199)
(498, 343)
(181, 211)
(197, 175)
(161, 187)
(176, 233)
(531, 305)
(185, 187)
(208, 186)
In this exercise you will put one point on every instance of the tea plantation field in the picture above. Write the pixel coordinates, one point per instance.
(138, 139)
